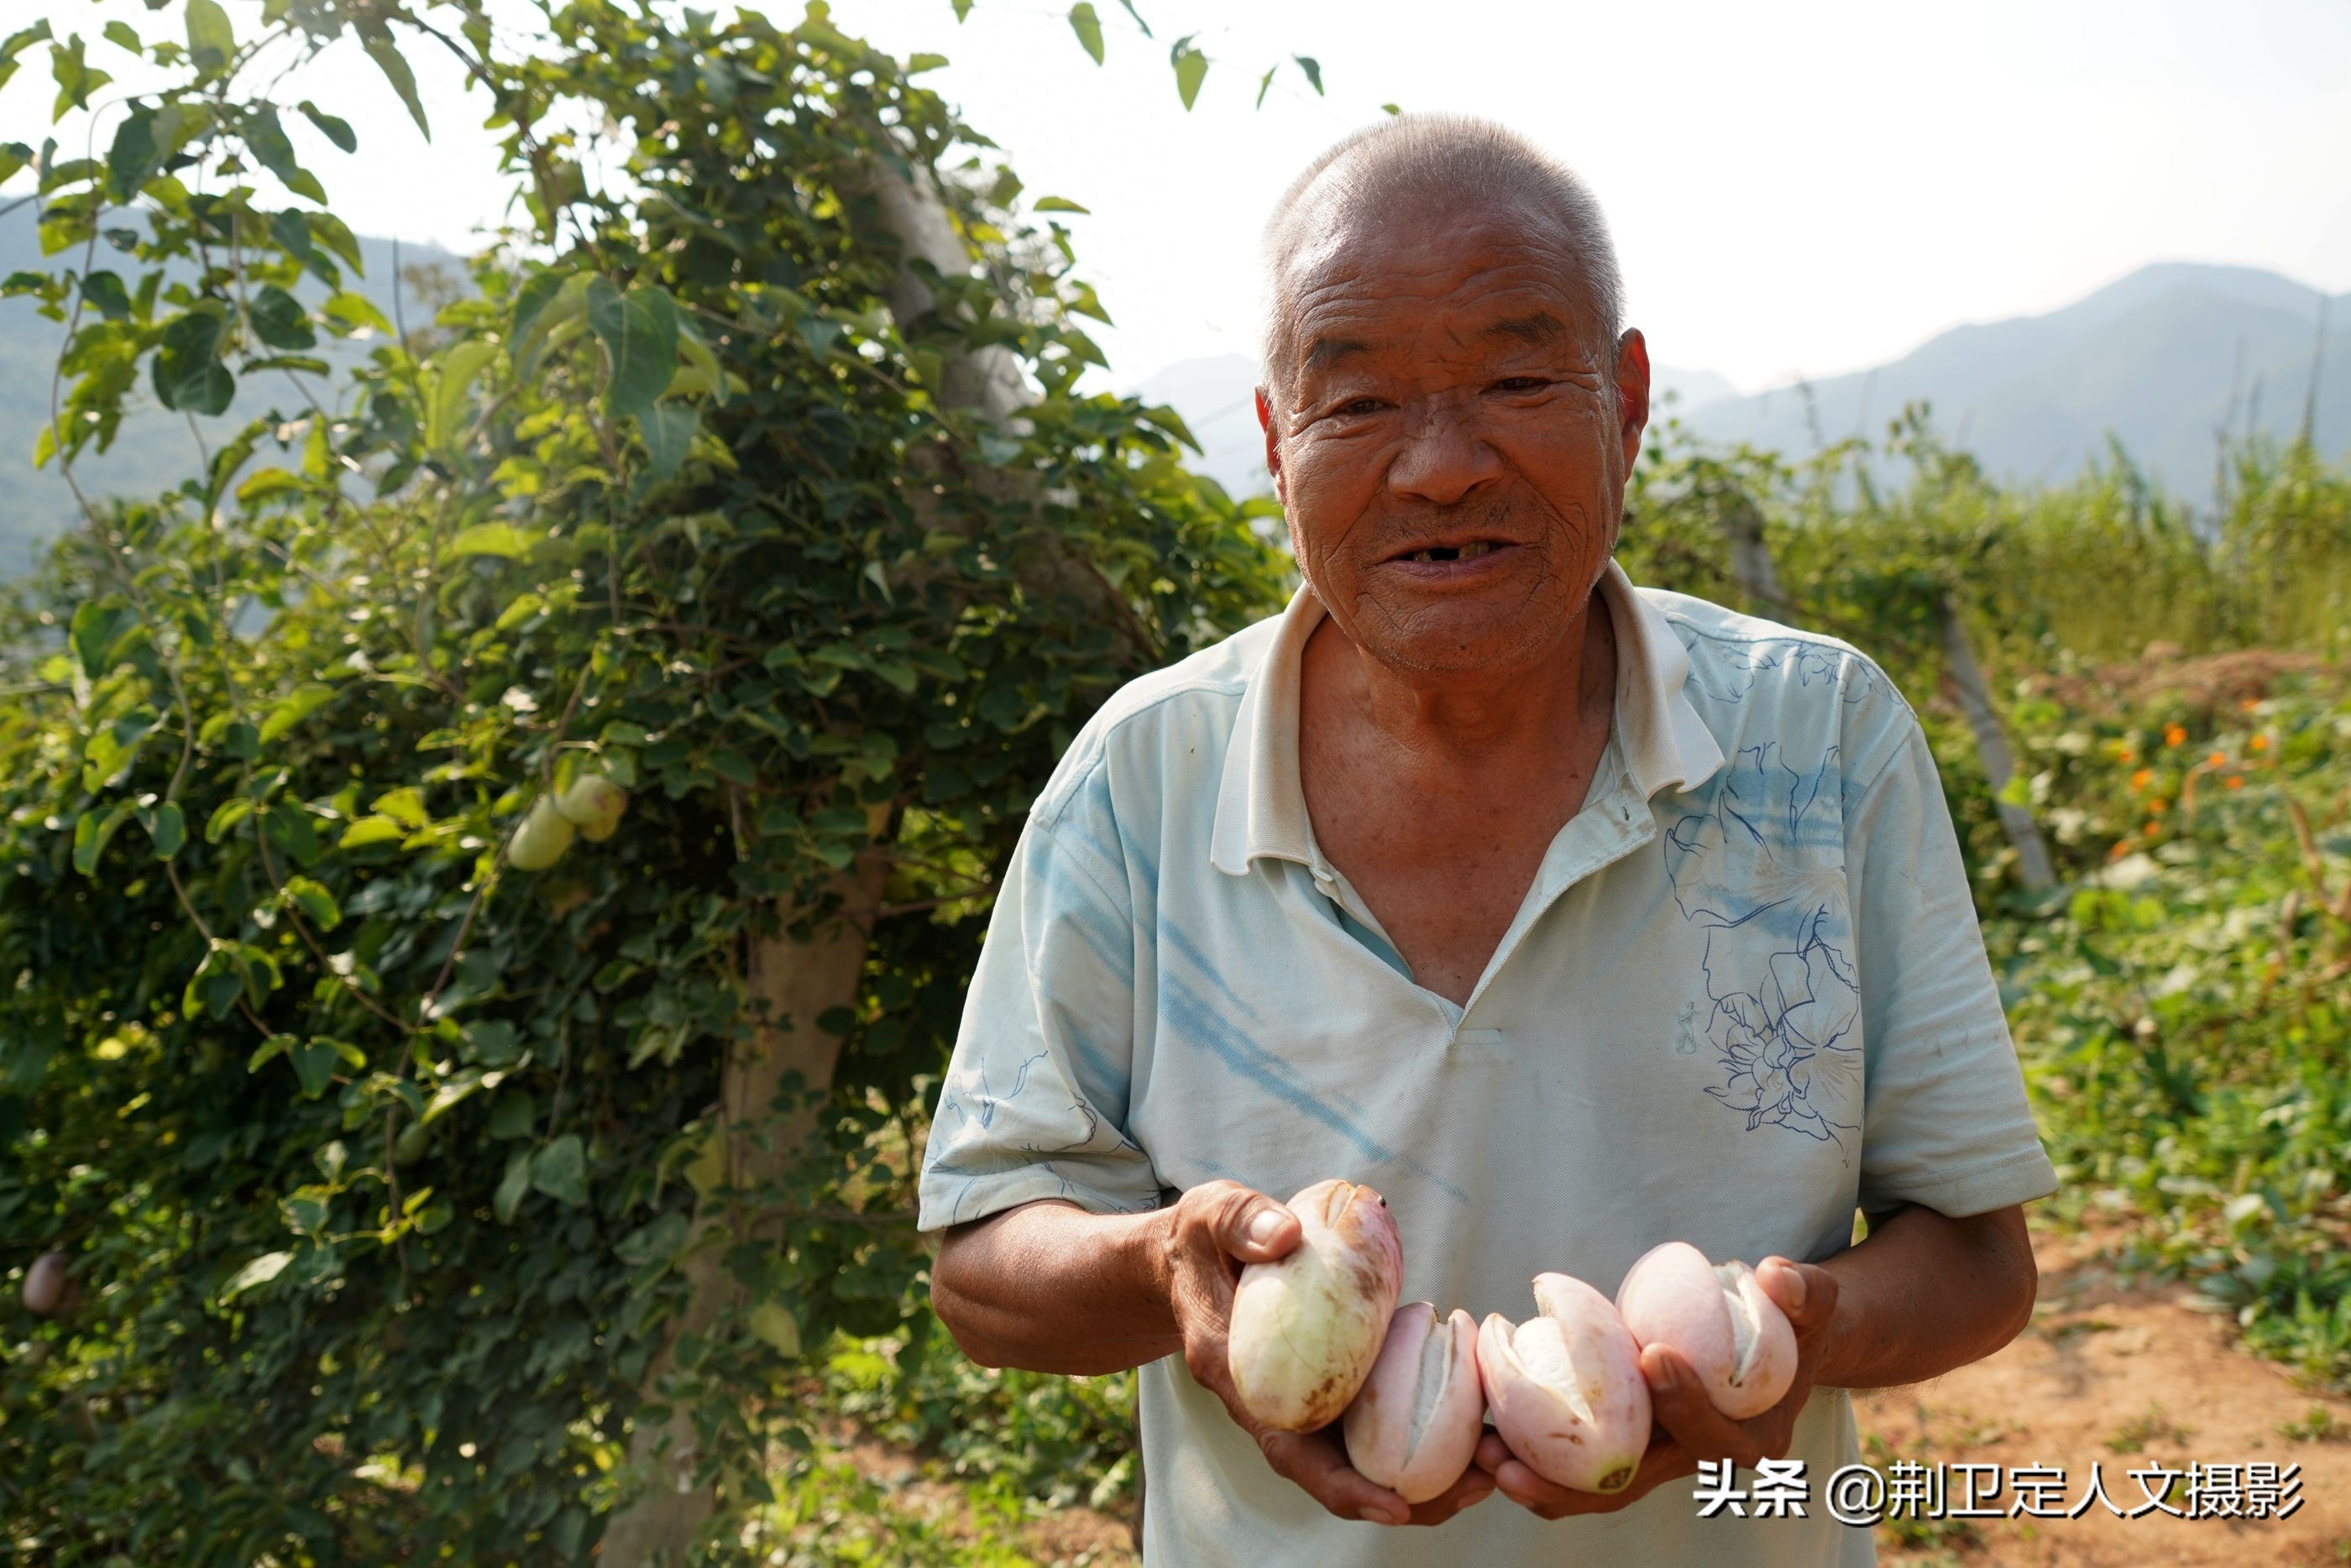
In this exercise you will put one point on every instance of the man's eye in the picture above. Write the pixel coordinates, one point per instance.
(1519, 384)
(1358, 406)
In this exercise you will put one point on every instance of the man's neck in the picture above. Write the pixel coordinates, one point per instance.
(1477, 727)
(1437, 799)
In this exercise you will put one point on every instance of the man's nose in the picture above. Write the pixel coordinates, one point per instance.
(1444, 458)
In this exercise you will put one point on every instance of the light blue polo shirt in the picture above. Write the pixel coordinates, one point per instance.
(1745, 994)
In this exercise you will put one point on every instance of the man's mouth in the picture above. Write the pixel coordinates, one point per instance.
(1468, 552)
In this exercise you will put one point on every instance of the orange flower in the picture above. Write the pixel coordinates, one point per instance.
(2126, 756)
(2158, 806)
(2234, 782)
(2260, 742)
(2142, 778)
(2173, 736)
(2154, 830)
(2216, 760)
(2121, 848)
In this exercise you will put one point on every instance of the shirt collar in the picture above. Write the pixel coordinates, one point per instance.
(1261, 808)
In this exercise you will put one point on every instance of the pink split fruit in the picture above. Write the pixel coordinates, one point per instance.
(1414, 1426)
(1716, 1317)
(1565, 1388)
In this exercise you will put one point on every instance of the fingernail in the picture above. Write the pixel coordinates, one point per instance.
(1669, 1372)
(1263, 1227)
(1380, 1516)
(1795, 1278)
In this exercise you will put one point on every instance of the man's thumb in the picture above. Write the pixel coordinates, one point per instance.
(1257, 1230)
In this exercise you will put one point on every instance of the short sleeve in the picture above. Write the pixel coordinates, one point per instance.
(1946, 1124)
(1035, 1097)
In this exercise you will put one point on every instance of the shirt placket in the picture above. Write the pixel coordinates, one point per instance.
(1605, 831)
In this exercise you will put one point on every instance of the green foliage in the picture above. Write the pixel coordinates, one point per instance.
(2094, 568)
(2186, 1011)
(1057, 1441)
(374, 1155)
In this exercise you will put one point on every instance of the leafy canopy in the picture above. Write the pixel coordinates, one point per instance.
(375, 1156)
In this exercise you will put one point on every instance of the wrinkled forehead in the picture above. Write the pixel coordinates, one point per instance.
(1350, 273)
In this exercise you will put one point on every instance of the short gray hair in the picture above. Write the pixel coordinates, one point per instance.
(1461, 158)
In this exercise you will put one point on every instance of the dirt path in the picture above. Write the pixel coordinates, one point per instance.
(2124, 1378)
(2127, 1379)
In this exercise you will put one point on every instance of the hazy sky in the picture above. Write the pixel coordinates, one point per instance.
(1794, 187)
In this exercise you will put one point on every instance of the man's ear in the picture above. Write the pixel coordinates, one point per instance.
(1272, 447)
(1632, 392)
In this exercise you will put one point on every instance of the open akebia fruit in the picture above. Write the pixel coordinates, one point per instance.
(1415, 1427)
(1306, 1328)
(1565, 1389)
(1716, 1317)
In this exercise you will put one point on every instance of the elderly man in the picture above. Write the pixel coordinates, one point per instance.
(1573, 917)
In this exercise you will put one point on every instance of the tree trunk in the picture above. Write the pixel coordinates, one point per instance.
(791, 982)
(1750, 559)
(1991, 746)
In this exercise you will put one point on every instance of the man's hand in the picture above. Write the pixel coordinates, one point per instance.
(1688, 1427)
(1214, 1230)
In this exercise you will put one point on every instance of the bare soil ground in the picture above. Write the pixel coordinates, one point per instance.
(2125, 1376)
(2208, 681)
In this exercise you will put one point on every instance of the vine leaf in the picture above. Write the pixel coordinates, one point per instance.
(387, 58)
(91, 832)
(638, 331)
(258, 1272)
(313, 899)
(446, 388)
(17, 43)
(494, 539)
(211, 42)
(1191, 68)
(561, 1171)
(279, 320)
(75, 77)
(265, 136)
(168, 826)
(334, 128)
(133, 158)
(187, 371)
(314, 1064)
(1088, 28)
(513, 1187)
(107, 297)
(668, 431)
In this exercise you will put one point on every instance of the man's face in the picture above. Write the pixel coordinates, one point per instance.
(1450, 440)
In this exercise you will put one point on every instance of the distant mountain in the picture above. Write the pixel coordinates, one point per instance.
(2161, 361)
(155, 449)
(1688, 389)
(1214, 397)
